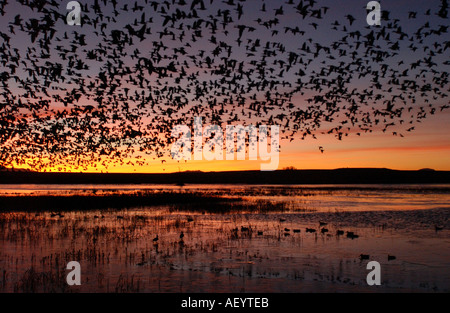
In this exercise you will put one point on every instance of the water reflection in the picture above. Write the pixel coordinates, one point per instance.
(304, 197)
(257, 244)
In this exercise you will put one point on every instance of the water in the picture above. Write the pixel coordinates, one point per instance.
(321, 198)
(252, 248)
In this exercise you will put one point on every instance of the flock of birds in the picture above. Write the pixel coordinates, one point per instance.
(323, 230)
(110, 91)
(248, 230)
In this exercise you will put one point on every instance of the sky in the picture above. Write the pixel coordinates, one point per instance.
(427, 146)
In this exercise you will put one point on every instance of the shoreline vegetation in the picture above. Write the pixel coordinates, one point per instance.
(36, 203)
(281, 177)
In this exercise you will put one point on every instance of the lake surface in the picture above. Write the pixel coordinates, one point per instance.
(259, 245)
(320, 198)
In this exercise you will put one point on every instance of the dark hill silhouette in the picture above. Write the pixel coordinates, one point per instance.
(336, 176)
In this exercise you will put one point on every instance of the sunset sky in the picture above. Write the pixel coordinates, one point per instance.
(427, 146)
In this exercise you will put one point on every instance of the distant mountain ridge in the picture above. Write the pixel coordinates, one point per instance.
(281, 177)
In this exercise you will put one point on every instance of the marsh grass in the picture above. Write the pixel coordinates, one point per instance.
(38, 203)
(49, 282)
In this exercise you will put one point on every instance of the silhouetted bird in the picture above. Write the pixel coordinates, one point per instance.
(364, 256)
(352, 235)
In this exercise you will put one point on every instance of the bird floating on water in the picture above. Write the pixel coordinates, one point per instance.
(352, 235)
(438, 227)
(391, 257)
(364, 256)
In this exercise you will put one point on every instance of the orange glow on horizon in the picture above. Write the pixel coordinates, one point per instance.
(426, 147)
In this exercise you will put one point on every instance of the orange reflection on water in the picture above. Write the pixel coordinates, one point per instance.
(257, 244)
